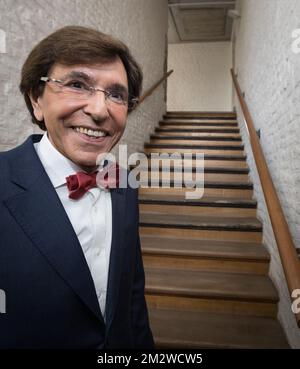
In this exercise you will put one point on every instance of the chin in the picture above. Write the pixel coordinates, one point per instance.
(86, 163)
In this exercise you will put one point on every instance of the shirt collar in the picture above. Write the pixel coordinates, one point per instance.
(56, 165)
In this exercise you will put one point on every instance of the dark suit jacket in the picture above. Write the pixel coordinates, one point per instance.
(50, 296)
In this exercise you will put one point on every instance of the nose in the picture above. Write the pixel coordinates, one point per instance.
(96, 106)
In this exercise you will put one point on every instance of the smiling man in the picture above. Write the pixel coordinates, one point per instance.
(70, 260)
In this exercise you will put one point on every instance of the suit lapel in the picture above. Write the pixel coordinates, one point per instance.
(39, 212)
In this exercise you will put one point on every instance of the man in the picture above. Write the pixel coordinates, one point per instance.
(70, 261)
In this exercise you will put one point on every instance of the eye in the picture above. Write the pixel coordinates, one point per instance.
(117, 96)
(76, 85)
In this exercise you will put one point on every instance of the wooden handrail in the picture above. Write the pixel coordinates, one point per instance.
(286, 247)
(151, 89)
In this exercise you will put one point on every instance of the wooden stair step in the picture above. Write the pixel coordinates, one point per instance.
(202, 114)
(199, 135)
(192, 124)
(195, 330)
(188, 174)
(206, 206)
(210, 284)
(210, 290)
(186, 184)
(192, 138)
(181, 247)
(181, 253)
(200, 227)
(192, 156)
(199, 192)
(195, 147)
(168, 129)
(182, 221)
(189, 169)
(192, 150)
(176, 199)
(189, 159)
(192, 141)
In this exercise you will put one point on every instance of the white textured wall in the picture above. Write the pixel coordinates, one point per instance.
(141, 24)
(269, 74)
(201, 78)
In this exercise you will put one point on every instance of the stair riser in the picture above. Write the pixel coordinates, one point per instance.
(214, 331)
(221, 235)
(211, 305)
(195, 142)
(190, 163)
(173, 120)
(201, 116)
(203, 128)
(210, 151)
(219, 114)
(236, 193)
(209, 264)
(208, 177)
(199, 135)
(198, 210)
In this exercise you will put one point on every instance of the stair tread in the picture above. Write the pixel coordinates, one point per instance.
(195, 138)
(219, 130)
(192, 146)
(230, 157)
(201, 115)
(207, 169)
(199, 222)
(210, 284)
(200, 112)
(203, 248)
(177, 183)
(199, 122)
(181, 200)
(199, 127)
(179, 329)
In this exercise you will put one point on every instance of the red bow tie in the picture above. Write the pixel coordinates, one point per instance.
(78, 184)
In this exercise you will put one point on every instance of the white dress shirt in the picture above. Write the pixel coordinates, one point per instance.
(90, 216)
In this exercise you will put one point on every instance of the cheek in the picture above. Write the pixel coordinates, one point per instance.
(58, 110)
(121, 123)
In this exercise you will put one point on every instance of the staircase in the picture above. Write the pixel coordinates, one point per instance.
(207, 283)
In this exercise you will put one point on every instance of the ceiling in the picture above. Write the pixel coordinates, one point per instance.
(199, 20)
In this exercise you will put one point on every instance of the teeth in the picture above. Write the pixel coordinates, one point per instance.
(90, 132)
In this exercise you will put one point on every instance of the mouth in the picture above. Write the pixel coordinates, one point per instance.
(91, 135)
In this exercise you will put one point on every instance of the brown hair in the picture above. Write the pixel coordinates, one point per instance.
(75, 45)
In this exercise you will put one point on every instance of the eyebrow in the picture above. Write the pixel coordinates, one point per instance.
(78, 74)
(90, 79)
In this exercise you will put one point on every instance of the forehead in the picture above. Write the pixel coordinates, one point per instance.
(108, 73)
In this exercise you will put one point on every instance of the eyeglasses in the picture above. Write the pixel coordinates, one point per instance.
(80, 90)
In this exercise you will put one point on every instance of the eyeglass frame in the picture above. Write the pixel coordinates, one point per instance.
(134, 101)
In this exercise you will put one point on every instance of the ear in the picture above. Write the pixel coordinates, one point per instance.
(37, 108)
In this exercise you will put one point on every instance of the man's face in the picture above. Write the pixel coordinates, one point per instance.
(65, 116)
